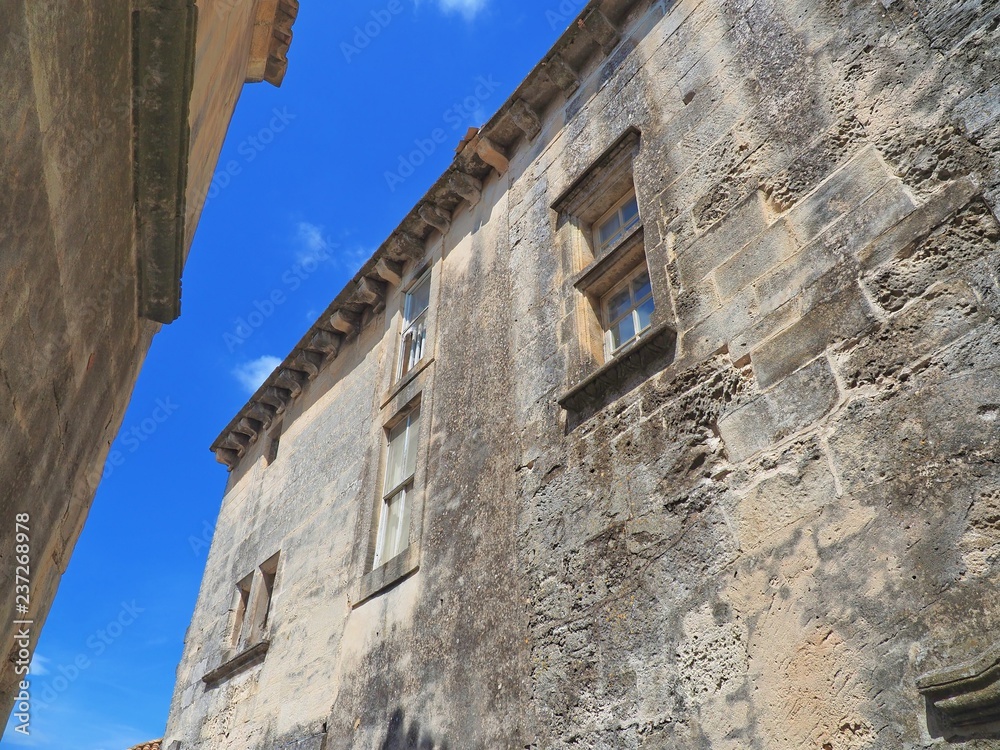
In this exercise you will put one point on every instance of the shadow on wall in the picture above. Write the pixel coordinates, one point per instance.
(410, 738)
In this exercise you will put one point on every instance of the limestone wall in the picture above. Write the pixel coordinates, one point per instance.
(759, 538)
(71, 337)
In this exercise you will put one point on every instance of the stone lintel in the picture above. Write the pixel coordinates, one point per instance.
(967, 694)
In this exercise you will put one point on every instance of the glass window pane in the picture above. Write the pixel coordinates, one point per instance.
(403, 538)
(418, 299)
(412, 442)
(618, 305)
(395, 461)
(630, 211)
(393, 517)
(622, 332)
(641, 287)
(610, 229)
(644, 312)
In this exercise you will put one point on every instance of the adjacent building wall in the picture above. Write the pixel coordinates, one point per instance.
(72, 339)
(760, 537)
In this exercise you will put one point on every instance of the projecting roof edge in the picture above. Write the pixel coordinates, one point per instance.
(595, 32)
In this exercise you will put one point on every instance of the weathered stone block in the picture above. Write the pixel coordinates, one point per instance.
(791, 406)
(845, 314)
(753, 261)
(948, 311)
(743, 224)
(883, 209)
(841, 192)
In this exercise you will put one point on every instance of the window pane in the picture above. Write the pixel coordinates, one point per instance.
(641, 287)
(610, 229)
(417, 299)
(393, 521)
(644, 313)
(622, 332)
(412, 441)
(618, 305)
(630, 211)
(395, 462)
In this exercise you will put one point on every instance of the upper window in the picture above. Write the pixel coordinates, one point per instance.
(414, 338)
(628, 310)
(253, 606)
(397, 488)
(616, 224)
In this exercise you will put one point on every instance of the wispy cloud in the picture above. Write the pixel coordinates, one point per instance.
(468, 8)
(251, 374)
(39, 665)
(313, 245)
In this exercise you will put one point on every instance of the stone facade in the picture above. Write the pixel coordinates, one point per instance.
(104, 168)
(770, 522)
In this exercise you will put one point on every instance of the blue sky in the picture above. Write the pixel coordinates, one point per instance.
(311, 197)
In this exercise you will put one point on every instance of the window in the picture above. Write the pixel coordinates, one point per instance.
(274, 440)
(414, 335)
(628, 310)
(616, 225)
(239, 634)
(400, 466)
(268, 571)
(253, 606)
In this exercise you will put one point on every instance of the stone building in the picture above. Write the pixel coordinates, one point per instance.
(666, 419)
(114, 116)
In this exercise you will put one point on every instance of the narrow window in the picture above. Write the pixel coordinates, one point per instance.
(617, 224)
(268, 572)
(274, 440)
(242, 604)
(401, 461)
(628, 309)
(414, 325)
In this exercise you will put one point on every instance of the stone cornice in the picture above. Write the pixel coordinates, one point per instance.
(272, 36)
(590, 38)
(163, 42)
(966, 694)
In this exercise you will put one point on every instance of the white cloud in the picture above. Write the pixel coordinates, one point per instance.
(252, 374)
(314, 246)
(39, 666)
(468, 8)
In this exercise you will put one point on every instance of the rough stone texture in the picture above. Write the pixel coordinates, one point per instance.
(71, 342)
(760, 546)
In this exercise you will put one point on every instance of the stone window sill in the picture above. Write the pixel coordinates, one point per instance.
(654, 347)
(388, 574)
(244, 660)
(408, 378)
